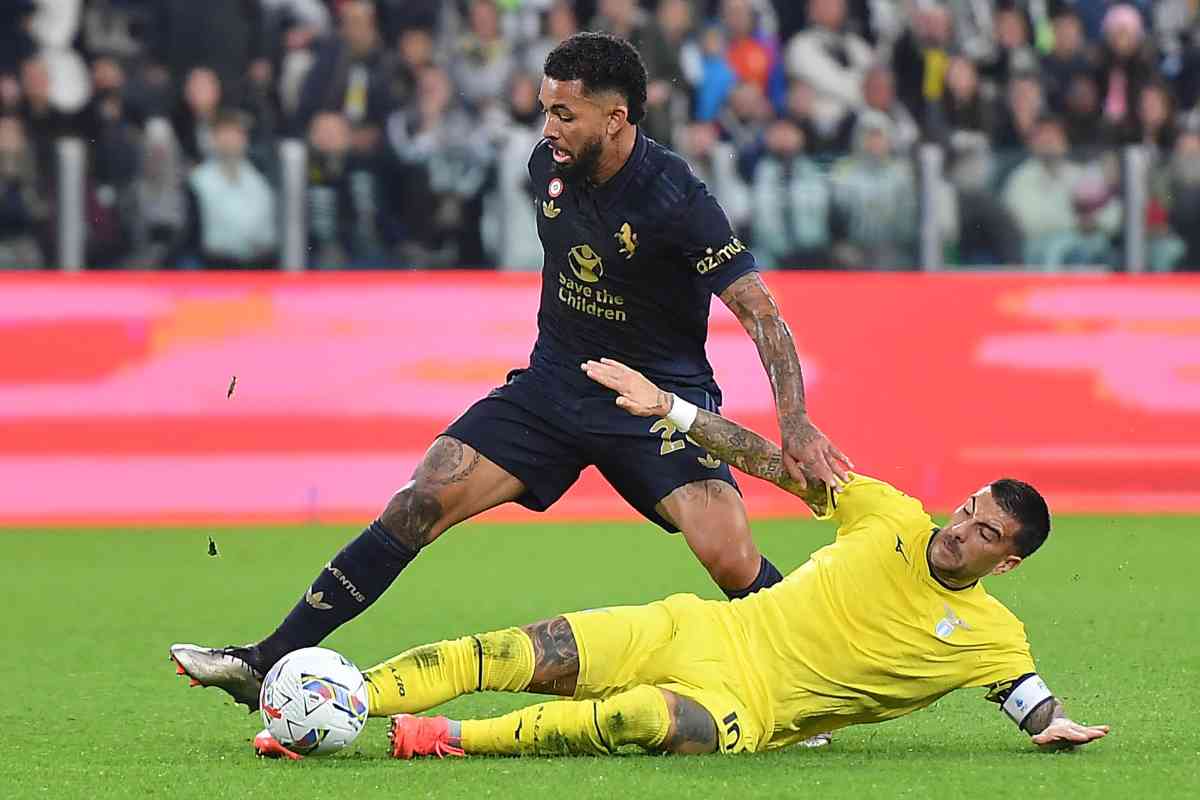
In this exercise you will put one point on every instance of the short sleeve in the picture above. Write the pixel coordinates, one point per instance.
(998, 691)
(713, 252)
(1008, 659)
(1002, 668)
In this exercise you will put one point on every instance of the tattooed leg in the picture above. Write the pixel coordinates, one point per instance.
(693, 730)
(555, 657)
(453, 482)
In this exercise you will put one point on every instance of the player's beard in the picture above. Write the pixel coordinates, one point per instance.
(583, 165)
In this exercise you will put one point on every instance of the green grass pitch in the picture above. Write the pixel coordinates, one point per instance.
(93, 708)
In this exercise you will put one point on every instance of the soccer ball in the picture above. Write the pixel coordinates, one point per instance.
(314, 701)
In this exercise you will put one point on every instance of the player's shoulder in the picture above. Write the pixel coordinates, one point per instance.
(1000, 613)
(665, 164)
(664, 180)
(873, 495)
(995, 621)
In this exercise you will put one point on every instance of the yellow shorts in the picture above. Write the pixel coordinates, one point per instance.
(675, 644)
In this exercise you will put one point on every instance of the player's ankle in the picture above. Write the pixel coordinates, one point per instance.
(263, 655)
(454, 732)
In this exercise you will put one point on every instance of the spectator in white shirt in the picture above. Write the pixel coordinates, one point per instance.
(233, 207)
(831, 60)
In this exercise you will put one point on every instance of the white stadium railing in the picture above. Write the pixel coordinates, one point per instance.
(931, 161)
(72, 213)
(293, 170)
(1136, 165)
(293, 161)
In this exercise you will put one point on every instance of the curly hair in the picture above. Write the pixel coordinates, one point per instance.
(603, 62)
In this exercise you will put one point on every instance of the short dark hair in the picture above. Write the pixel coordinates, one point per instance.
(603, 62)
(1026, 505)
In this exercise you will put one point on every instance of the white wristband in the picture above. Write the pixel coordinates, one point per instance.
(1025, 697)
(682, 413)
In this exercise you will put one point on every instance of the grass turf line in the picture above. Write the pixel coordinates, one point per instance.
(94, 708)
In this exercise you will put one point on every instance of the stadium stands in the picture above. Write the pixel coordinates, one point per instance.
(846, 134)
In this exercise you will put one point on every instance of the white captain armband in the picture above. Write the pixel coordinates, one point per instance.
(682, 413)
(1025, 697)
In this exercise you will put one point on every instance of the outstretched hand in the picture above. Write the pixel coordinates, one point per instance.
(1063, 733)
(636, 393)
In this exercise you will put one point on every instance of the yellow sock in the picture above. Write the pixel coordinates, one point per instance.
(426, 676)
(573, 727)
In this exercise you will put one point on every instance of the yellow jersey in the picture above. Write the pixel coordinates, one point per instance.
(863, 632)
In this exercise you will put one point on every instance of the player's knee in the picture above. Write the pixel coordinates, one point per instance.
(718, 532)
(411, 516)
(429, 503)
(734, 566)
(639, 716)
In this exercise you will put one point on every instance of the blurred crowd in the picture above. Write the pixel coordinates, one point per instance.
(805, 117)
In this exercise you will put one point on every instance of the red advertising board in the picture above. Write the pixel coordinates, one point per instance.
(114, 404)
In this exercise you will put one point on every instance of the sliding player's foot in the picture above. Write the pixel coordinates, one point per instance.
(267, 746)
(818, 740)
(421, 736)
(232, 669)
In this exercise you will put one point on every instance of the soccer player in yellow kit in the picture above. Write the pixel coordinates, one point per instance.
(882, 622)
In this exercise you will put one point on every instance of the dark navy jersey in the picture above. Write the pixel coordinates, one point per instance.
(631, 267)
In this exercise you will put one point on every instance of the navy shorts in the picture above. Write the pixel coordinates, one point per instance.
(544, 430)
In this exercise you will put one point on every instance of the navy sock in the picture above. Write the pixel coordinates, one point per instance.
(768, 575)
(354, 579)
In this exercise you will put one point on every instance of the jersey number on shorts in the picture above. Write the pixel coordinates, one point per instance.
(667, 430)
(733, 732)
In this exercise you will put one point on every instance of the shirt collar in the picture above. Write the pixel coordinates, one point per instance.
(614, 187)
(933, 575)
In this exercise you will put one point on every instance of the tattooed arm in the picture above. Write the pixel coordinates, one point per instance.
(723, 438)
(751, 453)
(754, 306)
(1041, 717)
(1047, 724)
(806, 450)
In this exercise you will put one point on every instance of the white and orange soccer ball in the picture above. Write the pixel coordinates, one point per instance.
(314, 701)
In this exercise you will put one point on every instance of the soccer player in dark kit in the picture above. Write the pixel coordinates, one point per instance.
(635, 247)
